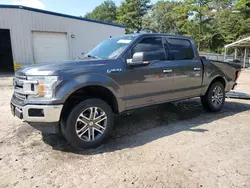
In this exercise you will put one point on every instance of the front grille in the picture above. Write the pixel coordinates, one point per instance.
(18, 86)
(20, 96)
(24, 87)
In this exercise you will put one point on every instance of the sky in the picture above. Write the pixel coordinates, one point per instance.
(71, 7)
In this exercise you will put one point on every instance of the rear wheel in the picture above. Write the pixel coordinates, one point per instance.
(89, 124)
(214, 99)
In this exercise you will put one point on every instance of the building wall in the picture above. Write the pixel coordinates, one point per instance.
(22, 22)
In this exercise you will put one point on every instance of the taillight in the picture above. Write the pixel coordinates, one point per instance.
(237, 75)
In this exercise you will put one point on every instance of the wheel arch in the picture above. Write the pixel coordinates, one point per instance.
(87, 92)
(218, 78)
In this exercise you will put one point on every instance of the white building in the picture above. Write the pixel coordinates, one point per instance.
(29, 35)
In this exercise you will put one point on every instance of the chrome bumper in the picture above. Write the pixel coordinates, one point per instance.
(37, 113)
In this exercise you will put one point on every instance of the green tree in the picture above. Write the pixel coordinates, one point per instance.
(104, 12)
(211, 23)
(198, 10)
(244, 7)
(220, 5)
(162, 19)
(232, 26)
(131, 12)
(203, 20)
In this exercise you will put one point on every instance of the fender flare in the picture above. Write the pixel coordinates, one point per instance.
(68, 87)
(213, 76)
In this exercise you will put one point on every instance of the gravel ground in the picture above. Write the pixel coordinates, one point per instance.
(171, 145)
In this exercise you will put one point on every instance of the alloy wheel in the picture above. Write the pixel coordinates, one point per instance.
(217, 96)
(91, 124)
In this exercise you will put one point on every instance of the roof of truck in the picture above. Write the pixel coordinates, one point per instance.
(159, 34)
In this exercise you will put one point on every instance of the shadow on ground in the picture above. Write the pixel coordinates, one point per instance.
(238, 95)
(146, 125)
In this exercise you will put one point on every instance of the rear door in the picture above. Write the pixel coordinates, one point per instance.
(186, 68)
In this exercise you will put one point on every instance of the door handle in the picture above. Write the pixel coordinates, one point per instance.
(167, 71)
(197, 69)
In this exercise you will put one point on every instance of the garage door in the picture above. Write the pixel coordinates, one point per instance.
(50, 46)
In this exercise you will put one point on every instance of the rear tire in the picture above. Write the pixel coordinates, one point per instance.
(214, 99)
(89, 124)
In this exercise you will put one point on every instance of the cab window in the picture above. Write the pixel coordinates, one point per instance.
(152, 46)
(181, 49)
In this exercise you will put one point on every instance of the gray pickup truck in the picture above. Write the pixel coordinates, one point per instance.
(81, 97)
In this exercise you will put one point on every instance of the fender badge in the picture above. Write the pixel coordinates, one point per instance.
(114, 70)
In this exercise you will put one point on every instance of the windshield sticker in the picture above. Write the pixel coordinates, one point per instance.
(124, 41)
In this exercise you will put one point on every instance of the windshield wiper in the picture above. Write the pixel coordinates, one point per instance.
(91, 56)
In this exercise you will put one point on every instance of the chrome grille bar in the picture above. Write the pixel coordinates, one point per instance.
(20, 96)
(19, 77)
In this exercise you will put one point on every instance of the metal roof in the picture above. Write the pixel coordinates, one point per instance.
(60, 14)
(240, 43)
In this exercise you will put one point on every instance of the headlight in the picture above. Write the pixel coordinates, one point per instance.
(44, 87)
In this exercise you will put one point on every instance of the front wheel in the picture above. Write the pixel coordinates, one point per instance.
(89, 124)
(214, 99)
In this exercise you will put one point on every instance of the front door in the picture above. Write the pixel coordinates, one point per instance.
(146, 84)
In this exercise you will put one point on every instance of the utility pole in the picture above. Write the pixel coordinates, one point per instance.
(245, 58)
(200, 17)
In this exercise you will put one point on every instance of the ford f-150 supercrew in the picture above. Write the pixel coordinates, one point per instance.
(80, 97)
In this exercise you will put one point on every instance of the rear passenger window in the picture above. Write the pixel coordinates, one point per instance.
(181, 49)
(152, 46)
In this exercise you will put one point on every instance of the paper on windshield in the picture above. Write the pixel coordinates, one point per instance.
(125, 41)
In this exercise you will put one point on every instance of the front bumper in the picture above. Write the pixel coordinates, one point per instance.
(37, 113)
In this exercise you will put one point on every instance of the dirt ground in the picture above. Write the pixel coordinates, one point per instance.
(171, 145)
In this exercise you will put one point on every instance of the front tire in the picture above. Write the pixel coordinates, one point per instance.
(214, 99)
(89, 124)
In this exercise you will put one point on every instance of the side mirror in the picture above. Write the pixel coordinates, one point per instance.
(139, 58)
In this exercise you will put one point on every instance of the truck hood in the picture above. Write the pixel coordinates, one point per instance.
(66, 66)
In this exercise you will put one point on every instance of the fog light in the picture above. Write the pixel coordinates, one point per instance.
(36, 112)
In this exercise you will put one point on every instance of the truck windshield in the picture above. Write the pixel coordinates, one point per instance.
(111, 48)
